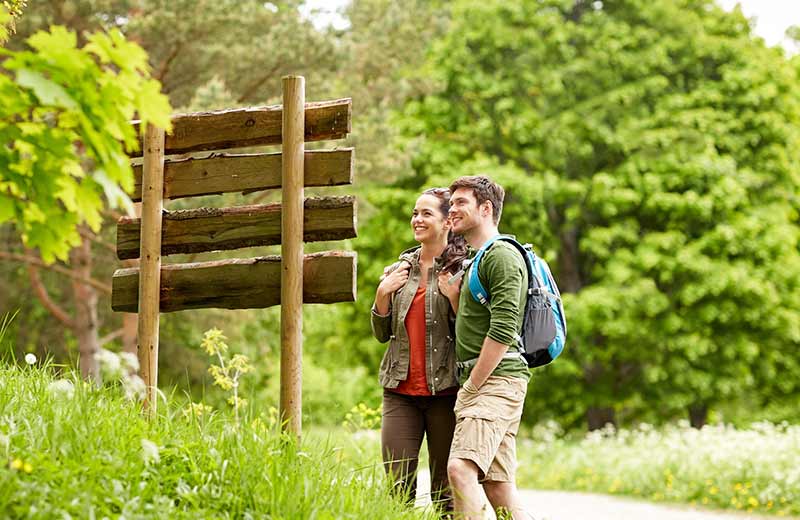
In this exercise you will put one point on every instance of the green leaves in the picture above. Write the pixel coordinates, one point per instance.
(656, 143)
(66, 117)
(48, 92)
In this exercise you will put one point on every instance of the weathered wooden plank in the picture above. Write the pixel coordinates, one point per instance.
(253, 126)
(251, 283)
(217, 229)
(230, 173)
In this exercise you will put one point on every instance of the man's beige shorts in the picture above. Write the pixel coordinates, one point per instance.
(487, 422)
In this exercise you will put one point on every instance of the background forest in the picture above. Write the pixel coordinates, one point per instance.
(650, 150)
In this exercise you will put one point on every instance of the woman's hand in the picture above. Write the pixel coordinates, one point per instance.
(389, 284)
(452, 291)
(396, 279)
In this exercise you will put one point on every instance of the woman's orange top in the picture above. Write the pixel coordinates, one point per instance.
(416, 383)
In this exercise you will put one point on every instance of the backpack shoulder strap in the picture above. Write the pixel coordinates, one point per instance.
(476, 288)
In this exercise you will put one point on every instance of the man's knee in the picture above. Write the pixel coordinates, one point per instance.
(461, 471)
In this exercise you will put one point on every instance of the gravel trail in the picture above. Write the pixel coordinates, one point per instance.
(563, 505)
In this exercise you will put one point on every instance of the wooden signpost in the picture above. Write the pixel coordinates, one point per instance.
(288, 280)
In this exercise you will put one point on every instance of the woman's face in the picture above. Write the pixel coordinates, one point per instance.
(428, 222)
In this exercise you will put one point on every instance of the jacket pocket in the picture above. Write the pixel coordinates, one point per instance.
(388, 363)
(446, 370)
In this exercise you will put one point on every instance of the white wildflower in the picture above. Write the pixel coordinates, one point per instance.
(110, 365)
(134, 388)
(61, 388)
(150, 452)
(129, 361)
(30, 358)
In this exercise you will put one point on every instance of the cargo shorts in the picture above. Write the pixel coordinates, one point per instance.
(487, 422)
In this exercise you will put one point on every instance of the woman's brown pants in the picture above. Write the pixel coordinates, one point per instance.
(406, 419)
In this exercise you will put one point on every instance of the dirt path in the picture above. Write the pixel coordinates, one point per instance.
(558, 505)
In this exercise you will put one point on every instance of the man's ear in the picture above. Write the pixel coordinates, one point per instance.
(487, 208)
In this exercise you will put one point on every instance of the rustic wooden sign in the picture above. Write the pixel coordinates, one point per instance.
(288, 280)
(255, 126)
(240, 282)
(216, 229)
(246, 173)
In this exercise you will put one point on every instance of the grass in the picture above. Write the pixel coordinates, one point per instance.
(77, 451)
(753, 470)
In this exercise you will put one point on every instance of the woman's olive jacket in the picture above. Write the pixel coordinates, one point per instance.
(440, 359)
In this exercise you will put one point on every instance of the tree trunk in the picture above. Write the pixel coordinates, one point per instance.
(597, 417)
(698, 414)
(85, 320)
(569, 266)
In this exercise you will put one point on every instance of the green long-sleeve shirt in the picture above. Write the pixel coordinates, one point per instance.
(502, 272)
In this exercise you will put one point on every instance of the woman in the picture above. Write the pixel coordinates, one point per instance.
(415, 311)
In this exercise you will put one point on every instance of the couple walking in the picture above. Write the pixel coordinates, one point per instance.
(433, 326)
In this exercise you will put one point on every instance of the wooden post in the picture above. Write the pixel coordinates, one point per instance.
(293, 132)
(150, 264)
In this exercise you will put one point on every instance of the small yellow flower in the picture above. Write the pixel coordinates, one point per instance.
(27, 467)
(713, 490)
(17, 464)
(237, 402)
(752, 501)
(214, 342)
(196, 410)
(258, 425)
(241, 363)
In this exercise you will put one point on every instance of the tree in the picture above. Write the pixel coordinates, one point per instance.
(381, 50)
(658, 141)
(245, 44)
(65, 116)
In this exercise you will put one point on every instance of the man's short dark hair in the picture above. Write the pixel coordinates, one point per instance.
(484, 189)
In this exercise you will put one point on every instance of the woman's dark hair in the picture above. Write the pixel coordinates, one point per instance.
(456, 250)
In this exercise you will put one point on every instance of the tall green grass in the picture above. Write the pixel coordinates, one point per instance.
(77, 451)
(757, 469)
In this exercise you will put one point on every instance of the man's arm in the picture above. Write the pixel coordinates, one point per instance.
(492, 353)
(504, 273)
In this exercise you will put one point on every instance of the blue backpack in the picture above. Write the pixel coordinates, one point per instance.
(544, 326)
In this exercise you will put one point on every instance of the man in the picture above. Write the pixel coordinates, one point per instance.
(493, 375)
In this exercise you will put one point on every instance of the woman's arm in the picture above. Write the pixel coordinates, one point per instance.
(381, 309)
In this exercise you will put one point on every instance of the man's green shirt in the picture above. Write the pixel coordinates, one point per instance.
(503, 273)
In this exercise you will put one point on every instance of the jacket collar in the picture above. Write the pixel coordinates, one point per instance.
(411, 256)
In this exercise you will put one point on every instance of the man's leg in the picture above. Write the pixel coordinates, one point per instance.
(504, 496)
(401, 438)
(499, 484)
(467, 501)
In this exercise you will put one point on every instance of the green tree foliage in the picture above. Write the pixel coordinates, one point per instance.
(65, 120)
(9, 11)
(381, 50)
(239, 46)
(658, 141)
